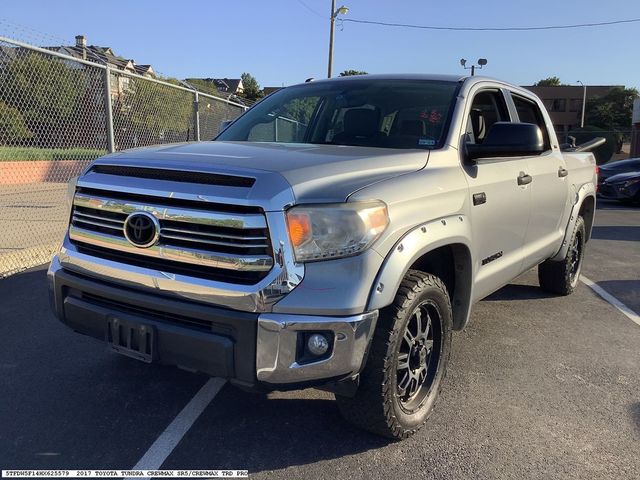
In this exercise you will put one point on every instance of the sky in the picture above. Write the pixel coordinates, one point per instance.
(282, 42)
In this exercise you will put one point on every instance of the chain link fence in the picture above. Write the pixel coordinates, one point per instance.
(57, 114)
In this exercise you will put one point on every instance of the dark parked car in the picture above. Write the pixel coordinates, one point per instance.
(624, 187)
(621, 166)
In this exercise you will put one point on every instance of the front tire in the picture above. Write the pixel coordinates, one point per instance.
(561, 277)
(407, 362)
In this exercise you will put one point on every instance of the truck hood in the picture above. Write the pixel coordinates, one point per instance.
(314, 173)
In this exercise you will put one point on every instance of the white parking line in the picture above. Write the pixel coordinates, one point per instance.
(633, 316)
(167, 441)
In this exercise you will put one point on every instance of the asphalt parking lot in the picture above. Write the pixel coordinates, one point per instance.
(538, 387)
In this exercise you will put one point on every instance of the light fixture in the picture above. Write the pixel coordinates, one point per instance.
(481, 63)
(341, 11)
(318, 344)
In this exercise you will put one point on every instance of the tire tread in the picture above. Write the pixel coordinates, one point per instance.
(554, 276)
(371, 408)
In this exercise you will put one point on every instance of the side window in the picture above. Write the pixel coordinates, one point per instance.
(488, 107)
(529, 112)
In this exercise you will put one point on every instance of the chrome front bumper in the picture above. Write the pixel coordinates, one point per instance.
(278, 346)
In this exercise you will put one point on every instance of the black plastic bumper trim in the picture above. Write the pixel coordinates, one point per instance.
(219, 342)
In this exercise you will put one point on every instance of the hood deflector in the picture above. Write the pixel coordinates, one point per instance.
(175, 175)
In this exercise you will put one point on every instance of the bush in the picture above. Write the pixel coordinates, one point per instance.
(13, 128)
(604, 152)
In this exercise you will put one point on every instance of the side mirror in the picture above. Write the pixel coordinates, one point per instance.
(224, 125)
(506, 139)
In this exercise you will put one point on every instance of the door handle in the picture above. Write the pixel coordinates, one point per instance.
(524, 179)
(562, 172)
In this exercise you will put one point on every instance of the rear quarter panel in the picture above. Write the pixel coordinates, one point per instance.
(583, 178)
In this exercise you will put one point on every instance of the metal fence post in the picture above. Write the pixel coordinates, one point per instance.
(196, 116)
(109, 110)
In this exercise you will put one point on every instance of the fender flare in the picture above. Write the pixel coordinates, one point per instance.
(420, 240)
(585, 191)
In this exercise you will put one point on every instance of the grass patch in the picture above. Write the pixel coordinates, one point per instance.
(31, 154)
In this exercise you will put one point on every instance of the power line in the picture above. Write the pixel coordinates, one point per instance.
(318, 14)
(490, 29)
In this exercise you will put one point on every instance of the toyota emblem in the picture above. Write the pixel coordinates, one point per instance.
(142, 229)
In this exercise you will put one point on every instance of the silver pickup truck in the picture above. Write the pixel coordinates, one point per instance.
(332, 236)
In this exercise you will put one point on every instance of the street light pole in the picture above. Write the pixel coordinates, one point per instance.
(334, 14)
(331, 31)
(584, 102)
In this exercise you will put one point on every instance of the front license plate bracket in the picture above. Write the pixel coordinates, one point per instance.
(131, 339)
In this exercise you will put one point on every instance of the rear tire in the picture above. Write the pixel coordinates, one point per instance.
(562, 276)
(407, 361)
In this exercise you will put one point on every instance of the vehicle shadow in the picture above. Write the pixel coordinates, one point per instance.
(623, 232)
(516, 291)
(258, 433)
(602, 204)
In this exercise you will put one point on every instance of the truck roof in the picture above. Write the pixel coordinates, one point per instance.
(396, 76)
(411, 76)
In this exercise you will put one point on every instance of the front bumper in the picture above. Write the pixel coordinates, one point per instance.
(252, 350)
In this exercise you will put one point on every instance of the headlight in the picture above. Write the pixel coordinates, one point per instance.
(322, 232)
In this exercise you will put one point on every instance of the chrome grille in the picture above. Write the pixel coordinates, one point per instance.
(232, 245)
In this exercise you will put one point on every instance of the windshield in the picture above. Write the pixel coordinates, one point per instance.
(370, 113)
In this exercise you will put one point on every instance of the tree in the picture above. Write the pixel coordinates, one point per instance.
(147, 113)
(47, 94)
(548, 82)
(348, 73)
(205, 86)
(613, 111)
(251, 87)
(13, 128)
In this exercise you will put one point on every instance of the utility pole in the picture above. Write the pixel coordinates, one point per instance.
(331, 31)
(584, 102)
(334, 13)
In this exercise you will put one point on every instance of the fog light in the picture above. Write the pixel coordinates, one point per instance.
(318, 344)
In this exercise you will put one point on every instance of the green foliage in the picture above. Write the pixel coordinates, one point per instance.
(300, 109)
(604, 152)
(548, 82)
(43, 89)
(252, 90)
(12, 125)
(348, 73)
(612, 111)
(205, 87)
(30, 154)
(152, 112)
